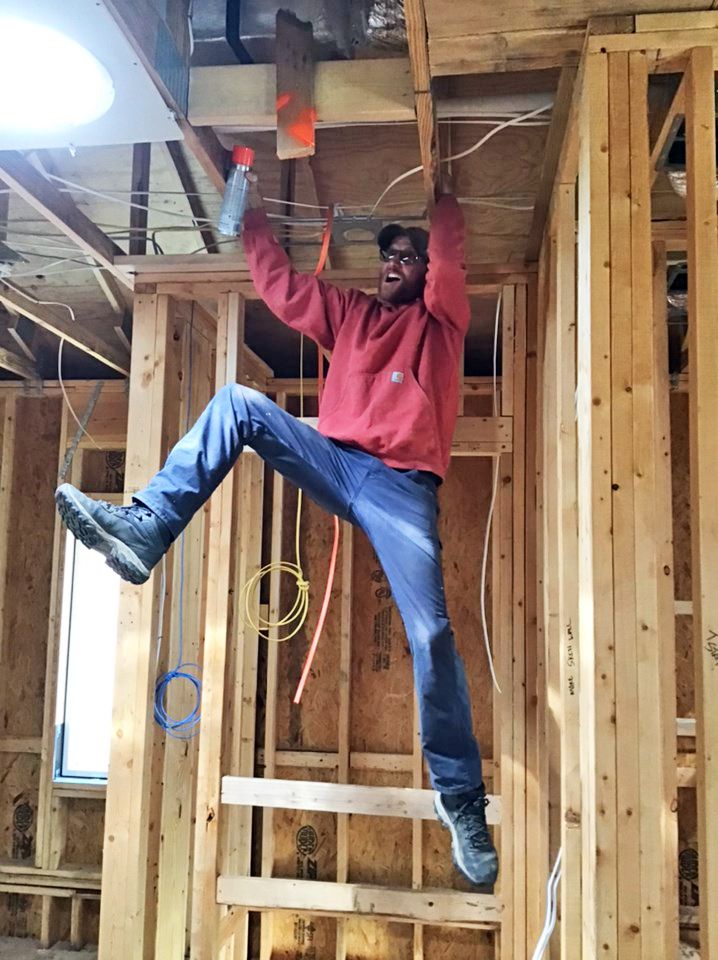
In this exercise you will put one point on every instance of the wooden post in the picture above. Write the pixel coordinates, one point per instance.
(206, 914)
(128, 831)
(344, 738)
(624, 507)
(567, 563)
(703, 386)
(141, 157)
(180, 757)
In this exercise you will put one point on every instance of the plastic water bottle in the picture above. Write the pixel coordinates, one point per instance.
(236, 192)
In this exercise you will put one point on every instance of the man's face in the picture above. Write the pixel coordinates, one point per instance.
(401, 282)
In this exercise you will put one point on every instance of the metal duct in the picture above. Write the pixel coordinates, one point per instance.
(227, 31)
(677, 179)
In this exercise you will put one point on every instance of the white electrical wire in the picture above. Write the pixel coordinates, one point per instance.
(515, 121)
(129, 203)
(551, 908)
(492, 504)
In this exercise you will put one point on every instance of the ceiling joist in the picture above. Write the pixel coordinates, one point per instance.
(75, 333)
(59, 210)
(17, 364)
(423, 94)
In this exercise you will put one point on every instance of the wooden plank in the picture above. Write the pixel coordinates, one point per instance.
(703, 352)
(344, 731)
(683, 608)
(346, 91)
(194, 201)
(139, 194)
(350, 899)
(127, 845)
(54, 321)
(270, 722)
(205, 915)
(620, 401)
(295, 87)
(338, 798)
(7, 466)
(18, 364)
(504, 52)
(567, 563)
(552, 152)
(673, 45)
(519, 595)
(184, 612)
(686, 20)
(597, 694)
(655, 625)
(59, 210)
(666, 603)
(20, 744)
(423, 97)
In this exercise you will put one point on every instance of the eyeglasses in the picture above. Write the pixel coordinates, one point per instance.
(399, 256)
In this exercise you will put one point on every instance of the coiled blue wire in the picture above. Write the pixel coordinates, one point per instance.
(183, 728)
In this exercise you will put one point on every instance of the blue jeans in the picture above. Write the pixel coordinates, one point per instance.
(396, 510)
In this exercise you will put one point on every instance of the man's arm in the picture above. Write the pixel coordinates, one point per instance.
(303, 302)
(445, 292)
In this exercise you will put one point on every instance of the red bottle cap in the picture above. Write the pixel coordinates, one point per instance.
(243, 156)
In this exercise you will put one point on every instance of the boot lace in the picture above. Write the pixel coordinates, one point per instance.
(471, 816)
(137, 511)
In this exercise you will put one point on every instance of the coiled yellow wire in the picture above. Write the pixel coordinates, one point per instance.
(294, 620)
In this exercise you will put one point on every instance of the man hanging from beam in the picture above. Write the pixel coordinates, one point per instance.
(382, 447)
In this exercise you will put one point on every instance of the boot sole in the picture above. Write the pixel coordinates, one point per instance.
(447, 824)
(118, 556)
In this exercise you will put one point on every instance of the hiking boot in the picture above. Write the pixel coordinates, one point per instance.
(132, 539)
(473, 853)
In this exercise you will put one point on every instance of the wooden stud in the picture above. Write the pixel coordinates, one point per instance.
(423, 96)
(597, 696)
(567, 564)
(703, 384)
(127, 847)
(205, 915)
(270, 721)
(194, 201)
(77, 939)
(344, 734)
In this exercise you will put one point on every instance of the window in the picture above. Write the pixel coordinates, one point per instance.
(88, 635)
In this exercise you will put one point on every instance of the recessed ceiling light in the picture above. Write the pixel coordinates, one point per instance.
(49, 82)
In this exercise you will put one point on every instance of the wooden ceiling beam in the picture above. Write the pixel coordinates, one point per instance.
(423, 95)
(17, 364)
(674, 115)
(140, 194)
(59, 210)
(552, 154)
(189, 186)
(75, 333)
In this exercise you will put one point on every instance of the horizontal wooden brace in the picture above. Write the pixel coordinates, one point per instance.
(686, 727)
(473, 436)
(446, 907)
(324, 760)
(20, 744)
(338, 798)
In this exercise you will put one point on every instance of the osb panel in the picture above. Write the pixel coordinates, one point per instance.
(382, 708)
(306, 849)
(85, 829)
(29, 566)
(377, 940)
(103, 471)
(19, 785)
(380, 847)
(313, 724)
(20, 915)
(442, 943)
(680, 466)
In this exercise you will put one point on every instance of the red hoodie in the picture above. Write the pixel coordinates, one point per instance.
(392, 386)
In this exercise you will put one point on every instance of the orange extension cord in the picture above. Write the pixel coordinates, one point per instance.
(335, 548)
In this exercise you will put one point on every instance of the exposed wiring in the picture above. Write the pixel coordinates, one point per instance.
(514, 121)
(184, 727)
(492, 504)
(551, 908)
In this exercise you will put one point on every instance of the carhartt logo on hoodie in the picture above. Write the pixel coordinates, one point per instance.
(397, 377)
